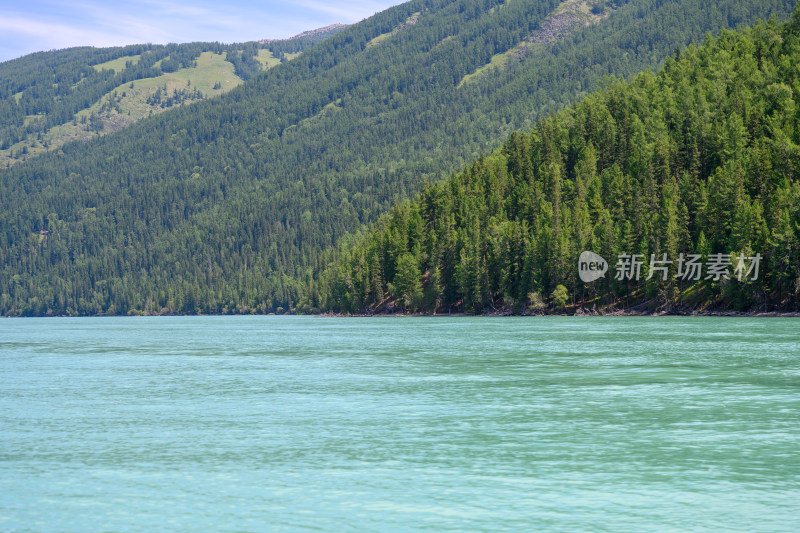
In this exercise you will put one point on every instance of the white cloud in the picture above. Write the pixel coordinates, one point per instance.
(57, 35)
(49, 24)
(346, 11)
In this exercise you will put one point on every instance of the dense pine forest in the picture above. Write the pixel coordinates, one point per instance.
(233, 204)
(703, 157)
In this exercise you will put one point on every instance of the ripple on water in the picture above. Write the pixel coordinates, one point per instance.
(554, 424)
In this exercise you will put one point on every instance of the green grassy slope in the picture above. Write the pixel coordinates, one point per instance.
(127, 103)
(51, 98)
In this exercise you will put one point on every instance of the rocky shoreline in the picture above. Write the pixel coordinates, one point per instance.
(583, 313)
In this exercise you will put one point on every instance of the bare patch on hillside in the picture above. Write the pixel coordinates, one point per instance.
(410, 21)
(568, 17)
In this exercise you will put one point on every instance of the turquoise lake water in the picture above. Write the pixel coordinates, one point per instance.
(400, 424)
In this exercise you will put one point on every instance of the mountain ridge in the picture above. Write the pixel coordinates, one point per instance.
(229, 205)
(324, 31)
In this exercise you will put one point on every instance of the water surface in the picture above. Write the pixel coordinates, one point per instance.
(434, 424)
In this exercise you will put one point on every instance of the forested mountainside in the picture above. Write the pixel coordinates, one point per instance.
(701, 159)
(228, 205)
(50, 98)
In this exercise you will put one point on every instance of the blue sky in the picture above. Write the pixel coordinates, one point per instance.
(33, 25)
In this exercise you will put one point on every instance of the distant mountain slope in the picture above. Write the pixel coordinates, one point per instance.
(50, 98)
(227, 205)
(310, 37)
(703, 158)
